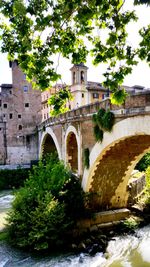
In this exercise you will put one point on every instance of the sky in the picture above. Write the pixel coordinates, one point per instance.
(139, 76)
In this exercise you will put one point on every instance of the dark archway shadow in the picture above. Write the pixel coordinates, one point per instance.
(72, 152)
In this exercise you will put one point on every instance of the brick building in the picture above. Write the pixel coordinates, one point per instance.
(20, 113)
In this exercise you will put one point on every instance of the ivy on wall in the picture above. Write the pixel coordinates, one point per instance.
(103, 121)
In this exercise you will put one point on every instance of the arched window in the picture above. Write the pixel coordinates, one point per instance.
(74, 77)
(82, 76)
(20, 127)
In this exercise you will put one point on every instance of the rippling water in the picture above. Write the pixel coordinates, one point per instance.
(5, 200)
(128, 251)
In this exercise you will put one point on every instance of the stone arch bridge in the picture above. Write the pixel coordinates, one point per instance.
(113, 160)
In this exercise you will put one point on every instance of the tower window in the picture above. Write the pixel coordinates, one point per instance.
(5, 105)
(82, 76)
(25, 88)
(19, 116)
(74, 77)
(82, 95)
(24, 76)
(26, 105)
(10, 116)
(20, 127)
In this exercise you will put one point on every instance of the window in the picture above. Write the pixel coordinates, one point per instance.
(26, 105)
(10, 92)
(74, 77)
(10, 116)
(24, 76)
(19, 116)
(103, 96)
(82, 76)
(20, 127)
(0, 103)
(95, 95)
(0, 129)
(5, 105)
(25, 88)
(82, 95)
(27, 140)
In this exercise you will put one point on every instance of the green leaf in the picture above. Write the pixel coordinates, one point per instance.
(118, 97)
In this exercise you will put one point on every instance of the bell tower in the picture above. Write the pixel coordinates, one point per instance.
(78, 86)
(79, 74)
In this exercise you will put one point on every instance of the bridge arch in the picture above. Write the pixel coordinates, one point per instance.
(73, 149)
(112, 162)
(49, 143)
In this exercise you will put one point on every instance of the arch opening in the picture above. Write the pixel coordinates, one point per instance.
(48, 146)
(112, 171)
(72, 152)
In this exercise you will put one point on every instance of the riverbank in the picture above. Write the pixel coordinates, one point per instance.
(92, 235)
(96, 239)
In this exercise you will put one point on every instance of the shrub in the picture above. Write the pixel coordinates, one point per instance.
(131, 223)
(46, 208)
(13, 178)
(73, 197)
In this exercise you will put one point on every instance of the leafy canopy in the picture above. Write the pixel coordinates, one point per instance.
(34, 31)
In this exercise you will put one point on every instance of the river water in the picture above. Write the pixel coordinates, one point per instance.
(126, 251)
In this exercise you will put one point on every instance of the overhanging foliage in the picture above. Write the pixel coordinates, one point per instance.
(34, 31)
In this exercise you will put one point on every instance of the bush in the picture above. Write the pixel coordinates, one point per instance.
(46, 208)
(13, 178)
(131, 223)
